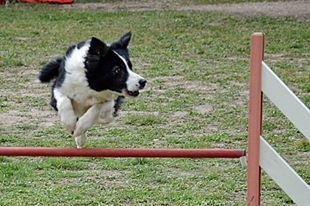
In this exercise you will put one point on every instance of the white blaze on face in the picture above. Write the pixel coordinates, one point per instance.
(133, 78)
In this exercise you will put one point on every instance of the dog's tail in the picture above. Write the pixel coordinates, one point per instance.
(50, 70)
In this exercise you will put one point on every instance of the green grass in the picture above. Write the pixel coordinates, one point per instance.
(196, 64)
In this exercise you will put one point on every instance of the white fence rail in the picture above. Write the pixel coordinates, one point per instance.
(286, 101)
(272, 163)
(283, 174)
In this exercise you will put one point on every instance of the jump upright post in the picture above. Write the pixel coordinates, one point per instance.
(255, 118)
(261, 155)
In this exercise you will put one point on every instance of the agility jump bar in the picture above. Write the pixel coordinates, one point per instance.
(122, 152)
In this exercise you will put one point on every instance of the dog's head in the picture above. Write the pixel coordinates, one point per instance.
(109, 67)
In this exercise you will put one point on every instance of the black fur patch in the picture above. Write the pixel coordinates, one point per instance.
(106, 73)
(105, 70)
(118, 102)
(53, 101)
(50, 70)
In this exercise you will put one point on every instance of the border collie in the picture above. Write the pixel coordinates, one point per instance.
(91, 81)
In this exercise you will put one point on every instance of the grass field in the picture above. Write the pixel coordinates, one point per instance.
(196, 64)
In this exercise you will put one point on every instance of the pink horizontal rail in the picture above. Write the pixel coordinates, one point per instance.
(116, 152)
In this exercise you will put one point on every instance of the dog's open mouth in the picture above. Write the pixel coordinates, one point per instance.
(132, 93)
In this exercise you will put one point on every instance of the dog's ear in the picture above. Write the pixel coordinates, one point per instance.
(123, 42)
(125, 39)
(97, 47)
(97, 50)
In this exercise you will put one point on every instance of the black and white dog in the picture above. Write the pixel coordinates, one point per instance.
(91, 81)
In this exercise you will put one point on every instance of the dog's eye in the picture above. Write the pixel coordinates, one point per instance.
(117, 70)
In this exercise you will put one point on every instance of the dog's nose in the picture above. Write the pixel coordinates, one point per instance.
(142, 83)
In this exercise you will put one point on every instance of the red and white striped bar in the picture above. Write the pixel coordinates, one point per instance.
(120, 152)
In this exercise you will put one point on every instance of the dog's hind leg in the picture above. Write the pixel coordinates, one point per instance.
(65, 110)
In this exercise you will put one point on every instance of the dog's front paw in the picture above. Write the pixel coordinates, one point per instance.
(80, 129)
(80, 141)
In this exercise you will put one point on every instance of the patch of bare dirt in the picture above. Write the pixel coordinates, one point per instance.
(25, 102)
(275, 9)
(299, 9)
(181, 82)
(43, 119)
(203, 109)
(105, 178)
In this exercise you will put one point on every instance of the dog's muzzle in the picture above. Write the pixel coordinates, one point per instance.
(140, 85)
